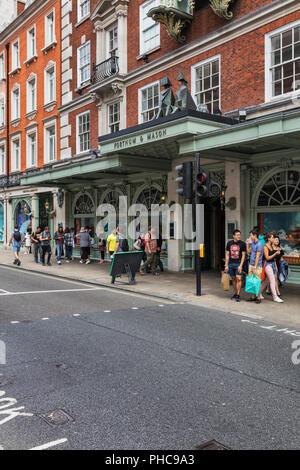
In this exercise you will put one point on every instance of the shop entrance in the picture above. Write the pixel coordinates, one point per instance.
(214, 235)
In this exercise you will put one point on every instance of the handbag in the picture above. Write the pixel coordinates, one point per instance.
(225, 281)
(253, 285)
(263, 273)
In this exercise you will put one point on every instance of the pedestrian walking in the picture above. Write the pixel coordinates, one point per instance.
(111, 243)
(69, 242)
(158, 252)
(36, 243)
(59, 240)
(139, 245)
(16, 240)
(101, 248)
(270, 267)
(234, 260)
(255, 249)
(121, 242)
(84, 238)
(45, 239)
(27, 238)
(151, 252)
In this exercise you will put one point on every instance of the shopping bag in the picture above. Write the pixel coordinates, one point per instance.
(263, 273)
(225, 281)
(253, 285)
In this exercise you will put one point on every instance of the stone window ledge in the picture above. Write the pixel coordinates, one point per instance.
(157, 48)
(30, 59)
(2, 128)
(14, 71)
(50, 46)
(50, 106)
(15, 122)
(31, 114)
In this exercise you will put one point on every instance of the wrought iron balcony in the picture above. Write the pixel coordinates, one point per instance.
(6, 182)
(106, 69)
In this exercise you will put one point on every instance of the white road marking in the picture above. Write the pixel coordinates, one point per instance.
(107, 311)
(58, 291)
(50, 444)
(76, 315)
(5, 404)
(4, 291)
(45, 318)
(134, 308)
(13, 322)
(275, 328)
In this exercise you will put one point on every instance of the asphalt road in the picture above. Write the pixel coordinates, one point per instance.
(133, 372)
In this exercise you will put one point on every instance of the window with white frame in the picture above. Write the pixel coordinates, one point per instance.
(50, 143)
(50, 91)
(15, 103)
(206, 84)
(2, 111)
(148, 102)
(2, 159)
(114, 117)
(283, 61)
(83, 9)
(31, 94)
(83, 63)
(2, 66)
(31, 149)
(83, 132)
(16, 155)
(49, 28)
(112, 41)
(31, 49)
(15, 55)
(149, 29)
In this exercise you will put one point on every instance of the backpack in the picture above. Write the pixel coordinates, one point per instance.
(124, 244)
(17, 236)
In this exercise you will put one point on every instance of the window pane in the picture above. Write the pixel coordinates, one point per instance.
(288, 70)
(287, 53)
(275, 42)
(287, 38)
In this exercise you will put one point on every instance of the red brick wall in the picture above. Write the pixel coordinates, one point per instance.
(37, 68)
(205, 21)
(242, 71)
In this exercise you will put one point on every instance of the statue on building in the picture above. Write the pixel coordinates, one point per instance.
(183, 99)
(60, 197)
(166, 98)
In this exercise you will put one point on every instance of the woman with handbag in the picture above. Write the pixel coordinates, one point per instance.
(270, 267)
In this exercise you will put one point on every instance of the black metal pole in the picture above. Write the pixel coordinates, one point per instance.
(7, 137)
(197, 251)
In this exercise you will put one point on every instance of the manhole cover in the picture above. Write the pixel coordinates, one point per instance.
(212, 445)
(57, 417)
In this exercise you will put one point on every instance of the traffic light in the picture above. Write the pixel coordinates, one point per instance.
(185, 179)
(205, 187)
(202, 183)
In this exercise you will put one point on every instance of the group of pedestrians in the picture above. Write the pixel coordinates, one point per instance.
(261, 256)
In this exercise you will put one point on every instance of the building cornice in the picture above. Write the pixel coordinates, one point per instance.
(230, 31)
(22, 18)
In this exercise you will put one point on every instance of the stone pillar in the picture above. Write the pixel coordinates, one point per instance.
(175, 247)
(122, 37)
(233, 184)
(100, 42)
(35, 204)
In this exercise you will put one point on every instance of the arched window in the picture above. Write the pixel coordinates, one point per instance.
(23, 216)
(150, 196)
(112, 198)
(282, 189)
(84, 206)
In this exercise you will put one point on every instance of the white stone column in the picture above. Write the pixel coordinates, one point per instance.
(122, 37)
(35, 204)
(100, 42)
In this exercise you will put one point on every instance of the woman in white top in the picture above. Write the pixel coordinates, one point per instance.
(27, 242)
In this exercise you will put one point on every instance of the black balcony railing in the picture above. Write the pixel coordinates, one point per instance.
(106, 69)
(8, 181)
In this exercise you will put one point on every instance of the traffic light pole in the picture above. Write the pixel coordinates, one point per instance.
(199, 232)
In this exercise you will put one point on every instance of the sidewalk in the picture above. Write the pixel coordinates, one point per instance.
(179, 287)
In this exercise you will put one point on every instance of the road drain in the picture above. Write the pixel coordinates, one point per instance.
(212, 445)
(57, 417)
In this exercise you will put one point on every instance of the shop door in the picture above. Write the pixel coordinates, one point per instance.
(214, 235)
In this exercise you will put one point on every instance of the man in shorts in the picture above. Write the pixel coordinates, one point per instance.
(235, 257)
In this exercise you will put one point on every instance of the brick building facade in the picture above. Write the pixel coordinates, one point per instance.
(241, 60)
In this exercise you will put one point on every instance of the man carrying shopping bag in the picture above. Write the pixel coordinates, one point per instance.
(255, 249)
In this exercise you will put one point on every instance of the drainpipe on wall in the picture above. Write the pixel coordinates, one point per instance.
(7, 134)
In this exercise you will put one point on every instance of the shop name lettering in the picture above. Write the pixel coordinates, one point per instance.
(150, 136)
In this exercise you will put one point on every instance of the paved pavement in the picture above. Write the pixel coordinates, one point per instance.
(178, 287)
(134, 372)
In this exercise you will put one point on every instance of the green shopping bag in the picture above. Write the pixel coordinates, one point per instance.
(253, 285)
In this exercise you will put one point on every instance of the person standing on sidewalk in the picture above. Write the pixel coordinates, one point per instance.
(151, 251)
(27, 242)
(46, 246)
(255, 249)
(69, 241)
(270, 266)
(84, 238)
(235, 257)
(111, 243)
(35, 238)
(16, 240)
(59, 239)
